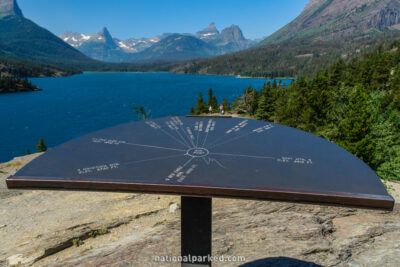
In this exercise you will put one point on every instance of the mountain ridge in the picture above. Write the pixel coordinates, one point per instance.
(176, 47)
(328, 19)
(231, 39)
(324, 31)
(20, 38)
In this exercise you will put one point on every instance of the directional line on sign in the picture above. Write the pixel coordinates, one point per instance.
(157, 147)
(183, 139)
(230, 140)
(176, 139)
(187, 162)
(198, 132)
(159, 158)
(240, 155)
(184, 132)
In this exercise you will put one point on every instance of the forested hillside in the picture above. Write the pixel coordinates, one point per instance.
(324, 31)
(22, 68)
(301, 57)
(355, 105)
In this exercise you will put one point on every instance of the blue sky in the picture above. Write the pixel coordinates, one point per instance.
(146, 18)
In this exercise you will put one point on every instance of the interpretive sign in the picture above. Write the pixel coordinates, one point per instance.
(212, 157)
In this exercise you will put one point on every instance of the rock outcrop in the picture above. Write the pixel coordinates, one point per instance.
(9, 8)
(65, 228)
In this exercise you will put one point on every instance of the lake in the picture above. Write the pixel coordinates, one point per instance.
(69, 107)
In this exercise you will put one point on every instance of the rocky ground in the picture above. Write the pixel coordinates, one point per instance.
(59, 228)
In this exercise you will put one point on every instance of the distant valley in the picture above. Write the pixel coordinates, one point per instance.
(167, 47)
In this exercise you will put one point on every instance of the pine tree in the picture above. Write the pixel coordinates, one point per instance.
(201, 106)
(262, 113)
(266, 104)
(227, 106)
(28, 152)
(210, 97)
(337, 72)
(192, 111)
(41, 146)
(356, 126)
(274, 84)
(214, 103)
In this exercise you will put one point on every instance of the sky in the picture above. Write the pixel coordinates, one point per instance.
(146, 18)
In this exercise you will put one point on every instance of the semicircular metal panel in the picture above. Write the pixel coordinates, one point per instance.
(226, 157)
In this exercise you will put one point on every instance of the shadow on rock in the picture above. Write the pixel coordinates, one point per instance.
(280, 262)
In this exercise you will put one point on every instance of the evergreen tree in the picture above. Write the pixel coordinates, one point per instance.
(381, 71)
(354, 104)
(192, 111)
(266, 104)
(356, 126)
(386, 135)
(201, 106)
(274, 85)
(337, 72)
(214, 103)
(210, 96)
(227, 106)
(41, 146)
(28, 152)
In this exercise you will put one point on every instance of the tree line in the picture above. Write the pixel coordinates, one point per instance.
(12, 85)
(202, 107)
(291, 58)
(355, 104)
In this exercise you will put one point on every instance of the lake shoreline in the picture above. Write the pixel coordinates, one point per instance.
(72, 106)
(196, 74)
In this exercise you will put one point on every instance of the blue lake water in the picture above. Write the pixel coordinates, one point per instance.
(69, 107)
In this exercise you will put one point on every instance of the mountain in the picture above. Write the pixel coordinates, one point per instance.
(176, 47)
(102, 46)
(21, 38)
(209, 33)
(134, 45)
(324, 31)
(328, 19)
(209, 41)
(9, 8)
(230, 39)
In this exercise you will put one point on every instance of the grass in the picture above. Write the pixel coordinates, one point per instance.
(87, 249)
(159, 223)
(77, 242)
(99, 232)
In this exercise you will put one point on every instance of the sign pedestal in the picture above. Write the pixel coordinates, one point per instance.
(196, 228)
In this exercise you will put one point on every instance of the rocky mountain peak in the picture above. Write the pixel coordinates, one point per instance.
(211, 27)
(233, 33)
(210, 30)
(9, 8)
(105, 33)
(108, 39)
